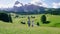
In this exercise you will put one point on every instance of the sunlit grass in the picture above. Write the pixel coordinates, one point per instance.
(17, 28)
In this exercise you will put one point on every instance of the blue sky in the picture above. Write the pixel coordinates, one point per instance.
(45, 3)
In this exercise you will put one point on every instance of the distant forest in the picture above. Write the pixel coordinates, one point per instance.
(46, 11)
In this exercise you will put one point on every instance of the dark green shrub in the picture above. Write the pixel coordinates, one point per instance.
(43, 19)
(10, 19)
(23, 23)
(5, 17)
(38, 24)
(47, 22)
(16, 16)
(32, 16)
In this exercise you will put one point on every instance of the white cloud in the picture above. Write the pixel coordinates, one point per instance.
(6, 6)
(56, 5)
(3, 6)
(33, 1)
(18, 5)
(45, 5)
(39, 2)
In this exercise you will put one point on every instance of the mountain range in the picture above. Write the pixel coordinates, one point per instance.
(27, 8)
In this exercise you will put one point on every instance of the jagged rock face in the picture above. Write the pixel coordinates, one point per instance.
(17, 2)
(33, 7)
(29, 7)
(18, 6)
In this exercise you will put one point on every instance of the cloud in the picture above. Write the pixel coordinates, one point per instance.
(56, 5)
(7, 3)
(6, 6)
(39, 2)
(34, 1)
(18, 5)
(3, 6)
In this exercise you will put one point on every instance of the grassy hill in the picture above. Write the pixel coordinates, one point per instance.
(54, 19)
(17, 28)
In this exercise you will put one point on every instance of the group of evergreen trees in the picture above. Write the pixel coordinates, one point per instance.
(44, 19)
(5, 17)
(53, 11)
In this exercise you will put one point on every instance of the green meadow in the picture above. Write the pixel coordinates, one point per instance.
(17, 28)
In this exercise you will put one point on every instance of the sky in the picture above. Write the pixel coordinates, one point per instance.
(44, 3)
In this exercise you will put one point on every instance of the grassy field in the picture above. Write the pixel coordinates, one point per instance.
(17, 28)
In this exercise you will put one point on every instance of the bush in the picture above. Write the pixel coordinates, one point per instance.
(22, 22)
(16, 16)
(43, 19)
(10, 19)
(32, 16)
(47, 22)
(37, 23)
(5, 17)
